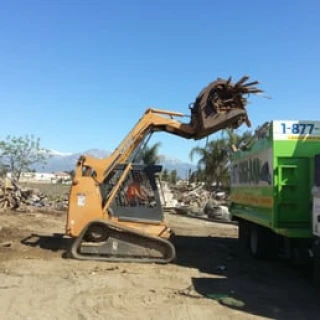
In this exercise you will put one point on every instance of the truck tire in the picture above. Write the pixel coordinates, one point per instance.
(316, 272)
(257, 242)
(300, 257)
(316, 264)
(243, 236)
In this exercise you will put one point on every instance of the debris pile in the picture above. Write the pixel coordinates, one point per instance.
(195, 200)
(191, 195)
(214, 209)
(17, 198)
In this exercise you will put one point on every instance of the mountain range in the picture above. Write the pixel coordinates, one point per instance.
(65, 162)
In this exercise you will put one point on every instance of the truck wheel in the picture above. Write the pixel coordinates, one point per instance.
(300, 257)
(243, 236)
(257, 245)
(316, 272)
(316, 264)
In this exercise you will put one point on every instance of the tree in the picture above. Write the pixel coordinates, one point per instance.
(4, 169)
(71, 172)
(196, 176)
(214, 158)
(21, 153)
(236, 141)
(165, 175)
(213, 162)
(150, 155)
(173, 176)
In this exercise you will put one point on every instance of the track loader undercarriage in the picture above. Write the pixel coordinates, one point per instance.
(122, 244)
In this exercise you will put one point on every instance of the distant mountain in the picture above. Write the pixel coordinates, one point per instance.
(65, 162)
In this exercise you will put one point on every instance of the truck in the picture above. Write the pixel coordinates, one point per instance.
(275, 191)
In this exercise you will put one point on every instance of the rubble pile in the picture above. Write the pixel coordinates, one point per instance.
(182, 198)
(194, 196)
(15, 197)
(195, 200)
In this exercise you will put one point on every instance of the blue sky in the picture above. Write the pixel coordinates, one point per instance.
(79, 74)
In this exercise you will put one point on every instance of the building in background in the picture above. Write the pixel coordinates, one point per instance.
(43, 177)
(63, 177)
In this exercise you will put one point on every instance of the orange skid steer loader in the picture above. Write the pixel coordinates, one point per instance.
(102, 218)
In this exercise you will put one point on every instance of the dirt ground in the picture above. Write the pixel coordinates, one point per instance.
(209, 280)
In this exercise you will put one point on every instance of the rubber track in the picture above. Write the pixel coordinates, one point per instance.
(158, 241)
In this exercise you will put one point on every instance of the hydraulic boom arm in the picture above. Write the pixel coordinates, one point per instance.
(220, 105)
(153, 120)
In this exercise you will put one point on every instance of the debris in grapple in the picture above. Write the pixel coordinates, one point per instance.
(222, 104)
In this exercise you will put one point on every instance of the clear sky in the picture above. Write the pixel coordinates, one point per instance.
(79, 74)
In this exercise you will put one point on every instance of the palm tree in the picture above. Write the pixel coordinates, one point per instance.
(150, 155)
(236, 141)
(173, 176)
(213, 162)
(214, 158)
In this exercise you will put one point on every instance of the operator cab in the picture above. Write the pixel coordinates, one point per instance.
(138, 198)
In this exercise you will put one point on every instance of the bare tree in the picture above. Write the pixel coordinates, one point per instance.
(21, 153)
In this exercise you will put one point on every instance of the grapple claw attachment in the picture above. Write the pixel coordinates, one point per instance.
(222, 105)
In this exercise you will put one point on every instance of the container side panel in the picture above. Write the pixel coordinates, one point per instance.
(252, 184)
(293, 192)
(295, 145)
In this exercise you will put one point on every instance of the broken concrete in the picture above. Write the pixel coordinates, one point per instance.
(194, 200)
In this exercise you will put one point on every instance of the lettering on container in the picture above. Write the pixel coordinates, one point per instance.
(253, 170)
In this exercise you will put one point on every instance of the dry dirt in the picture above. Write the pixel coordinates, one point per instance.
(209, 280)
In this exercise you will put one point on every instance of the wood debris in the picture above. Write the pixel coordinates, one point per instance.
(17, 198)
(222, 104)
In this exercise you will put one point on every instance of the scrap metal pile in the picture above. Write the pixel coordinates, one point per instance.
(222, 104)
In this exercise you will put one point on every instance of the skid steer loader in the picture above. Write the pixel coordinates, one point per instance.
(102, 218)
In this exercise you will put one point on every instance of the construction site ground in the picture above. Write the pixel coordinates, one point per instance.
(209, 279)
